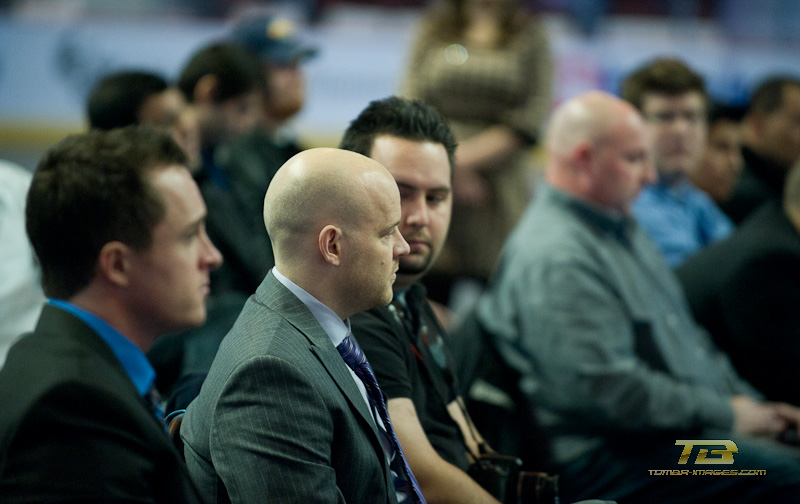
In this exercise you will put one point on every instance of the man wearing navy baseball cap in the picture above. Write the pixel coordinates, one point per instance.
(275, 40)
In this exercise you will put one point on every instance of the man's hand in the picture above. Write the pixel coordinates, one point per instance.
(440, 481)
(760, 419)
(790, 414)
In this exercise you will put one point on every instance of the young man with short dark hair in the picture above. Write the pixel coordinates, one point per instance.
(118, 225)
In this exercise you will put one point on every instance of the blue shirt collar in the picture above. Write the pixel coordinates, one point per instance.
(133, 360)
(678, 189)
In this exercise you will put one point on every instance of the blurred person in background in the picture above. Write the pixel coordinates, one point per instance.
(132, 97)
(680, 218)
(21, 296)
(486, 66)
(771, 145)
(223, 83)
(249, 160)
(282, 52)
(610, 361)
(745, 291)
(722, 162)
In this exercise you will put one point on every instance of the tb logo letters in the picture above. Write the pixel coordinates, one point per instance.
(723, 456)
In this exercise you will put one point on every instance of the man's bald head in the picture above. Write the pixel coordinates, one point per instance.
(333, 217)
(586, 118)
(320, 186)
(597, 149)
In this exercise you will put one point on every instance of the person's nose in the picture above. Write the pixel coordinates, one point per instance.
(401, 246)
(212, 257)
(649, 175)
(681, 125)
(416, 211)
(686, 123)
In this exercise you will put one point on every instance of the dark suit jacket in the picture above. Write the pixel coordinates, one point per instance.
(235, 220)
(73, 428)
(235, 225)
(746, 291)
(280, 418)
(761, 181)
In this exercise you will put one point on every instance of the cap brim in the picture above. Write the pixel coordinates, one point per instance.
(287, 55)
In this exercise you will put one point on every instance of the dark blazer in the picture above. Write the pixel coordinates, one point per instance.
(235, 225)
(235, 220)
(280, 418)
(746, 291)
(73, 428)
(761, 181)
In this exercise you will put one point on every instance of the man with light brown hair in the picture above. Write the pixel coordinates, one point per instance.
(680, 218)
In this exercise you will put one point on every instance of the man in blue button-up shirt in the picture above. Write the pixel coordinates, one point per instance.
(680, 218)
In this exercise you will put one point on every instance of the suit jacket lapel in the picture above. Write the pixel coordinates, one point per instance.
(57, 323)
(275, 295)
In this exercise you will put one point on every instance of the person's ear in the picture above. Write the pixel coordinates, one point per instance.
(582, 156)
(755, 123)
(330, 244)
(206, 89)
(113, 263)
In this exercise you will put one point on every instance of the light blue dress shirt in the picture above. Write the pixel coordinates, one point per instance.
(680, 218)
(133, 360)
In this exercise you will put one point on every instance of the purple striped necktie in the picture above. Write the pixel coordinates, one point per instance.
(355, 358)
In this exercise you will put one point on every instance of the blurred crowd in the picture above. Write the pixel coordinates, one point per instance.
(576, 290)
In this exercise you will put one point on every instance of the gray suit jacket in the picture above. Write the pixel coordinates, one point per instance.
(280, 418)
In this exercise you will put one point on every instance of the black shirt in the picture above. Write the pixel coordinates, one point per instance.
(407, 350)
(761, 180)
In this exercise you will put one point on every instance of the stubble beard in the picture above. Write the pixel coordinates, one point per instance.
(406, 269)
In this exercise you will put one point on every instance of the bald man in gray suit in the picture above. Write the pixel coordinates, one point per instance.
(281, 417)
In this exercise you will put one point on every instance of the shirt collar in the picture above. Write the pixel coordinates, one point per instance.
(411, 294)
(336, 328)
(678, 189)
(133, 360)
(606, 220)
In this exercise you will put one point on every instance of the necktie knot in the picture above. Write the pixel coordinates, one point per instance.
(351, 352)
(354, 357)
